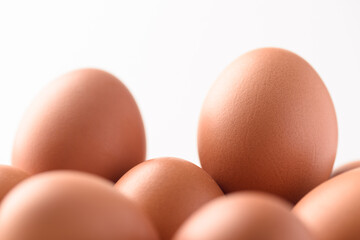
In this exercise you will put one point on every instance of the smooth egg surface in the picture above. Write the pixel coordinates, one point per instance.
(9, 178)
(332, 210)
(244, 215)
(72, 205)
(86, 120)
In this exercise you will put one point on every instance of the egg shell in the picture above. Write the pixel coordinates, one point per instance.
(332, 210)
(168, 190)
(346, 167)
(268, 123)
(62, 205)
(86, 120)
(9, 178)
(245, 215)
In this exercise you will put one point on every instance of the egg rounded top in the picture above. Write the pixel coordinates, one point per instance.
(168, 190)
(346, 167)
(86, 120)
(244, 215)
(268, 123)
(332, 210)
(9, 178)
(62, 205)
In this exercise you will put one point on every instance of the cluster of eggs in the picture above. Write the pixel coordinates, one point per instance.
(267, 141)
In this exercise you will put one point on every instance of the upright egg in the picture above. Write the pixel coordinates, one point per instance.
(86, 120)
(245, 215)
(332, 210)
(268, 123)
(168, 190)
(9, 178)
(62, 205)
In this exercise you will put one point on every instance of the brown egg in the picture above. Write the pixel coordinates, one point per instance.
(346, 167)
(332, 210)
(87, 120)
(246, 215)
(168, 190)
(62, 205)
(268, 123)
(9, 178)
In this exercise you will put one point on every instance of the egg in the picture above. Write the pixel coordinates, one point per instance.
(346, 167)
(332, 210)
(87, 120)
(64, 204)
(168, 190)
(245, 215)
(268, 123)
(9, 178)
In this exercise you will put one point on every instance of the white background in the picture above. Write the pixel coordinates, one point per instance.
(169, 52)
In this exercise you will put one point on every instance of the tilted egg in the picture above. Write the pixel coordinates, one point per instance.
(86, 120)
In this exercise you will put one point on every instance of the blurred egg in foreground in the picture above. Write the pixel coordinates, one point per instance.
(62, 205)
(9, 178)
(244, 215)
(332, 210)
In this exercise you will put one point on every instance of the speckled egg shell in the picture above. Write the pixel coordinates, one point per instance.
(268, 123)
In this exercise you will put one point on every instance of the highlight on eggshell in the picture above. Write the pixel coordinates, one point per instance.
(268, 123)
(86, 120)
(169, 190)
